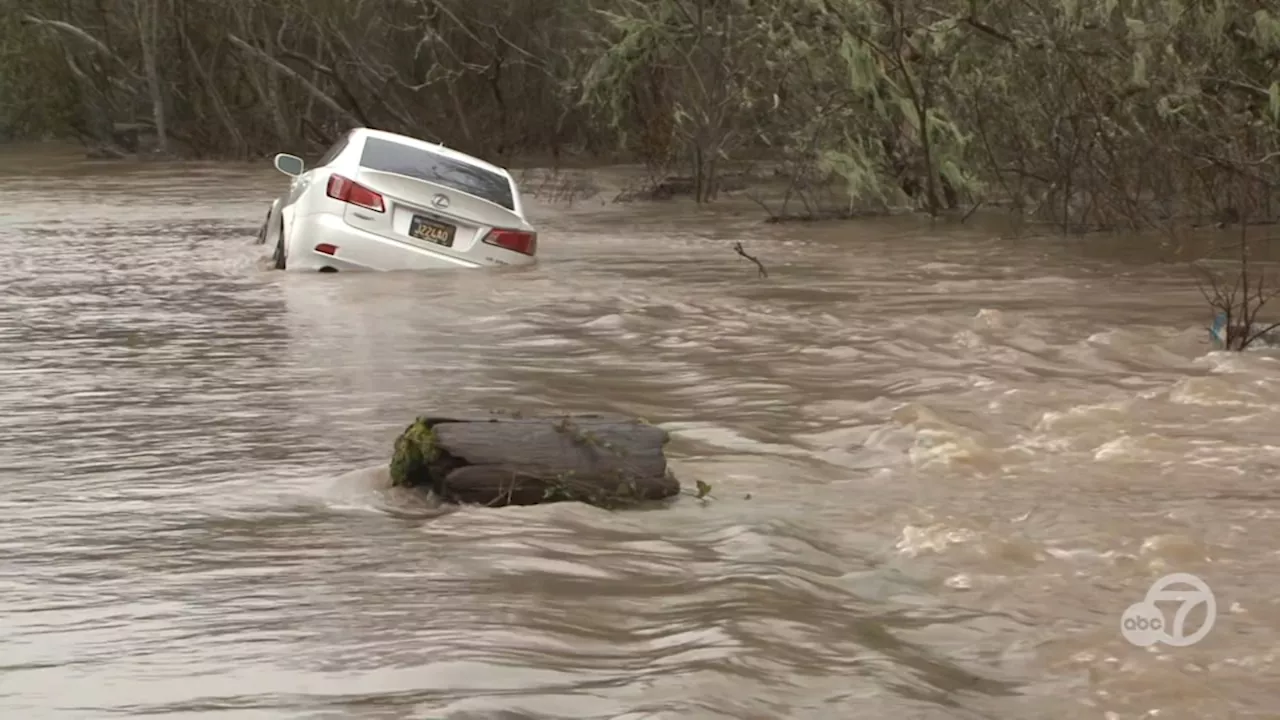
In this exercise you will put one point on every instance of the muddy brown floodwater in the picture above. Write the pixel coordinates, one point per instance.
(944, 464)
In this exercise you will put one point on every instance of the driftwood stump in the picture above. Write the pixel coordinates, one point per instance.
(606, 461)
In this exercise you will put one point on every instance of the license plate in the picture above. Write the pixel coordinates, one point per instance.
(424, 228)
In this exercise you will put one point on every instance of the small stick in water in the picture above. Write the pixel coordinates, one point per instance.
(737, 247)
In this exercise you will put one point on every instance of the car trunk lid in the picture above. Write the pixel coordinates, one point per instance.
(431, 201)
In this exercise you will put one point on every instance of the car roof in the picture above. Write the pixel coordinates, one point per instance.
(430, 147)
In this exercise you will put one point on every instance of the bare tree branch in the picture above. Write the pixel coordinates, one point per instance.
(290, 72)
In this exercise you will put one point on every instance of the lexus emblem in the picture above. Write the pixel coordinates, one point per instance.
(440, 201)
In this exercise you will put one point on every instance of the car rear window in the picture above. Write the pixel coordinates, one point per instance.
(393, 157)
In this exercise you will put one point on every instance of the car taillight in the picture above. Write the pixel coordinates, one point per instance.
(349, 191)
(525, 243)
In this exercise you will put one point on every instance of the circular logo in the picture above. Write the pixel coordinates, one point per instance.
(440, 201)
(1144, 624)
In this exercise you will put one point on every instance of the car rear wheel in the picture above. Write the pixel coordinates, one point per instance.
(278, 258)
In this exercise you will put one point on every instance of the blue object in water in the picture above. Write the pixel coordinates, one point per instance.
(1267, 337)
(1217, 333)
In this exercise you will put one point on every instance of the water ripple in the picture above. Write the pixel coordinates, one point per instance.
(942, 466)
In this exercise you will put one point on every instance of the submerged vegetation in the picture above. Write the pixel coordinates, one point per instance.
(1237, 287)
(1090, 114)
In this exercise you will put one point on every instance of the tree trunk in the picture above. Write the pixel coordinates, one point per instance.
(148, 22)
(606, 461)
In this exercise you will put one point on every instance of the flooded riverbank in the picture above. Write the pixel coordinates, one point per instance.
(965, 457)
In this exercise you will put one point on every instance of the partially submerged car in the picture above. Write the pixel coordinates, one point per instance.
(381, 201)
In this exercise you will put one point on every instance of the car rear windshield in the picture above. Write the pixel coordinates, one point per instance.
(393, 157)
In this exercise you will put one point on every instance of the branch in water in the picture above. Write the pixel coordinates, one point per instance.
(737, 247)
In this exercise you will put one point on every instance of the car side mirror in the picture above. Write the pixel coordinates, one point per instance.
(289, 164)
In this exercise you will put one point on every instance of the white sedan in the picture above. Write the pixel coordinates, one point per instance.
(381, 201)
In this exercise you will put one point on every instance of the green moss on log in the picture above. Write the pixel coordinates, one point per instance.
(415, 452)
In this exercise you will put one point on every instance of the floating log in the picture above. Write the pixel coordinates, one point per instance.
(606, 461)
